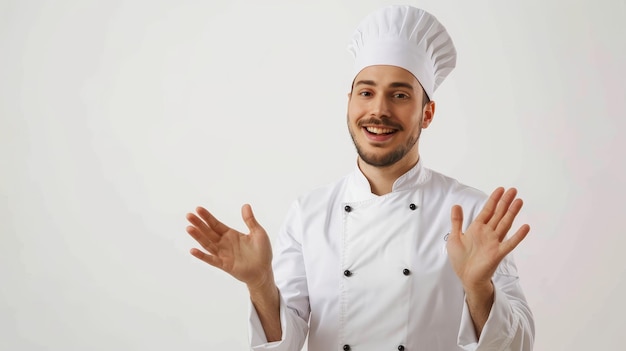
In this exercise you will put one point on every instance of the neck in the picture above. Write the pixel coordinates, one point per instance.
(381, 179)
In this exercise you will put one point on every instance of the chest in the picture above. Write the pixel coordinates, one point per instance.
(381, 266)
(378, 243)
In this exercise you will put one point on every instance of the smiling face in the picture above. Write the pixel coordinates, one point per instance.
(386, 115)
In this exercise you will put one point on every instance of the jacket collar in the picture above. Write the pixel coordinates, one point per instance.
(359, 189)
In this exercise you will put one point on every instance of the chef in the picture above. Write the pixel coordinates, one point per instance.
(394, 256)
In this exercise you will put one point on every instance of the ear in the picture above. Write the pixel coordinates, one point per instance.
(428, 113)
(349, 94)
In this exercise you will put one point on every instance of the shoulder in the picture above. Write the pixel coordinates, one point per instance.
(444, 192)
(443, 184)
(322, 195)
(314, 206)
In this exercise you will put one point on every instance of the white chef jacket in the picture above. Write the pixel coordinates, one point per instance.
(362, 272)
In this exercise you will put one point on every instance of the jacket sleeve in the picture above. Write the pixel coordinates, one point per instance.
(290, 276)
(510, 326)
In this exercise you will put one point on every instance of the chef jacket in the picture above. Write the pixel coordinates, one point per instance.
(363, 272)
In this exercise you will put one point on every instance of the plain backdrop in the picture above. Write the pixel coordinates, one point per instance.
(119, 117)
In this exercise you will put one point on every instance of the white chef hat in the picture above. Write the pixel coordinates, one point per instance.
(406, 37)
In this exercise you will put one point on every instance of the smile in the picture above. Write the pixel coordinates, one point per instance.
(379, 134)
(379, 130)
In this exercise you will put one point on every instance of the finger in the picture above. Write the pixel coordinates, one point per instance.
(507, 221)
(248, 218)
(205, 230)
(490, 206)
(511, 243)
(502, 207)
(202, 239)
(210, 259)
(218, 227)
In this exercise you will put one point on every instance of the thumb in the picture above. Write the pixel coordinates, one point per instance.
(248, 218)
(456, 219)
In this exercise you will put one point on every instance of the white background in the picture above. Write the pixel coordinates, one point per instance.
(118, 117)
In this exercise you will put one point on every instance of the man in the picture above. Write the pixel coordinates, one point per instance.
(393, 256)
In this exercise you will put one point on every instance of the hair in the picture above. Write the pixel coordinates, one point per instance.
(425, 98)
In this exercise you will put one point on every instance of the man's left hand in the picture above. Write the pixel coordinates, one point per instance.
(475, 254)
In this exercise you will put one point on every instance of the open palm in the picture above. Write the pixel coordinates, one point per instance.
(247, 257)
(475, 254)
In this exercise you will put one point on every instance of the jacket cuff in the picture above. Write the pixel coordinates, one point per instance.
(498, 331)
(293, 329)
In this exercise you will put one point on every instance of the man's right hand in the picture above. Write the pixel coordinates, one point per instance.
(247, 257)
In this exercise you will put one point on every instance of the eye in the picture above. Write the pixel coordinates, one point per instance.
(365, 93)
(401, 96)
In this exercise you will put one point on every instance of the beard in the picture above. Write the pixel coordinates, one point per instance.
(390, 157)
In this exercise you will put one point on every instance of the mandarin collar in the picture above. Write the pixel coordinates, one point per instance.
(359, 187)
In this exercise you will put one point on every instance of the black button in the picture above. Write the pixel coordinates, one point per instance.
(412, 207)
(347, 208)
(401, 348)
(406, 271)
(347, 273)
(346, 347)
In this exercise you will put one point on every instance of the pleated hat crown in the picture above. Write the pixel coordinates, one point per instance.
(406, 37)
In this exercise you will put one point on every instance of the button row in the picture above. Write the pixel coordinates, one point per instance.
(347, 347)
(348, 273)
(348, 208)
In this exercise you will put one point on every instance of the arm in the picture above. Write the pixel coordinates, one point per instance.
(290, 278)
(278, 319)
(494, 304)
(248, 258)
(510, 324)
(266, 301)
(479, 300)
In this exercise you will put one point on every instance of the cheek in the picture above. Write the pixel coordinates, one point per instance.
(352, 121)
(351, 113)
(355, 110)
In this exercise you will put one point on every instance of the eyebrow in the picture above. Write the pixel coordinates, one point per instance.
(392, 85)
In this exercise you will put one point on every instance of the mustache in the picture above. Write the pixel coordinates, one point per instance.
(382, 122)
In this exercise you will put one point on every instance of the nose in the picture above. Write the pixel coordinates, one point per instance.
(379, 106)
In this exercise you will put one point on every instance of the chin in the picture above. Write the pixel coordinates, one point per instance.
(382, 160)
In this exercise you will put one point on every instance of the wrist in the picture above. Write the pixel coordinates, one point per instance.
(265, 295)
(263, 285)
(480, 293)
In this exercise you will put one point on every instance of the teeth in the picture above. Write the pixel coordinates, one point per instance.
(377, 130)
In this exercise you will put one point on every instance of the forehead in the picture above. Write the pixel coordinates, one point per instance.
(385, 75)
